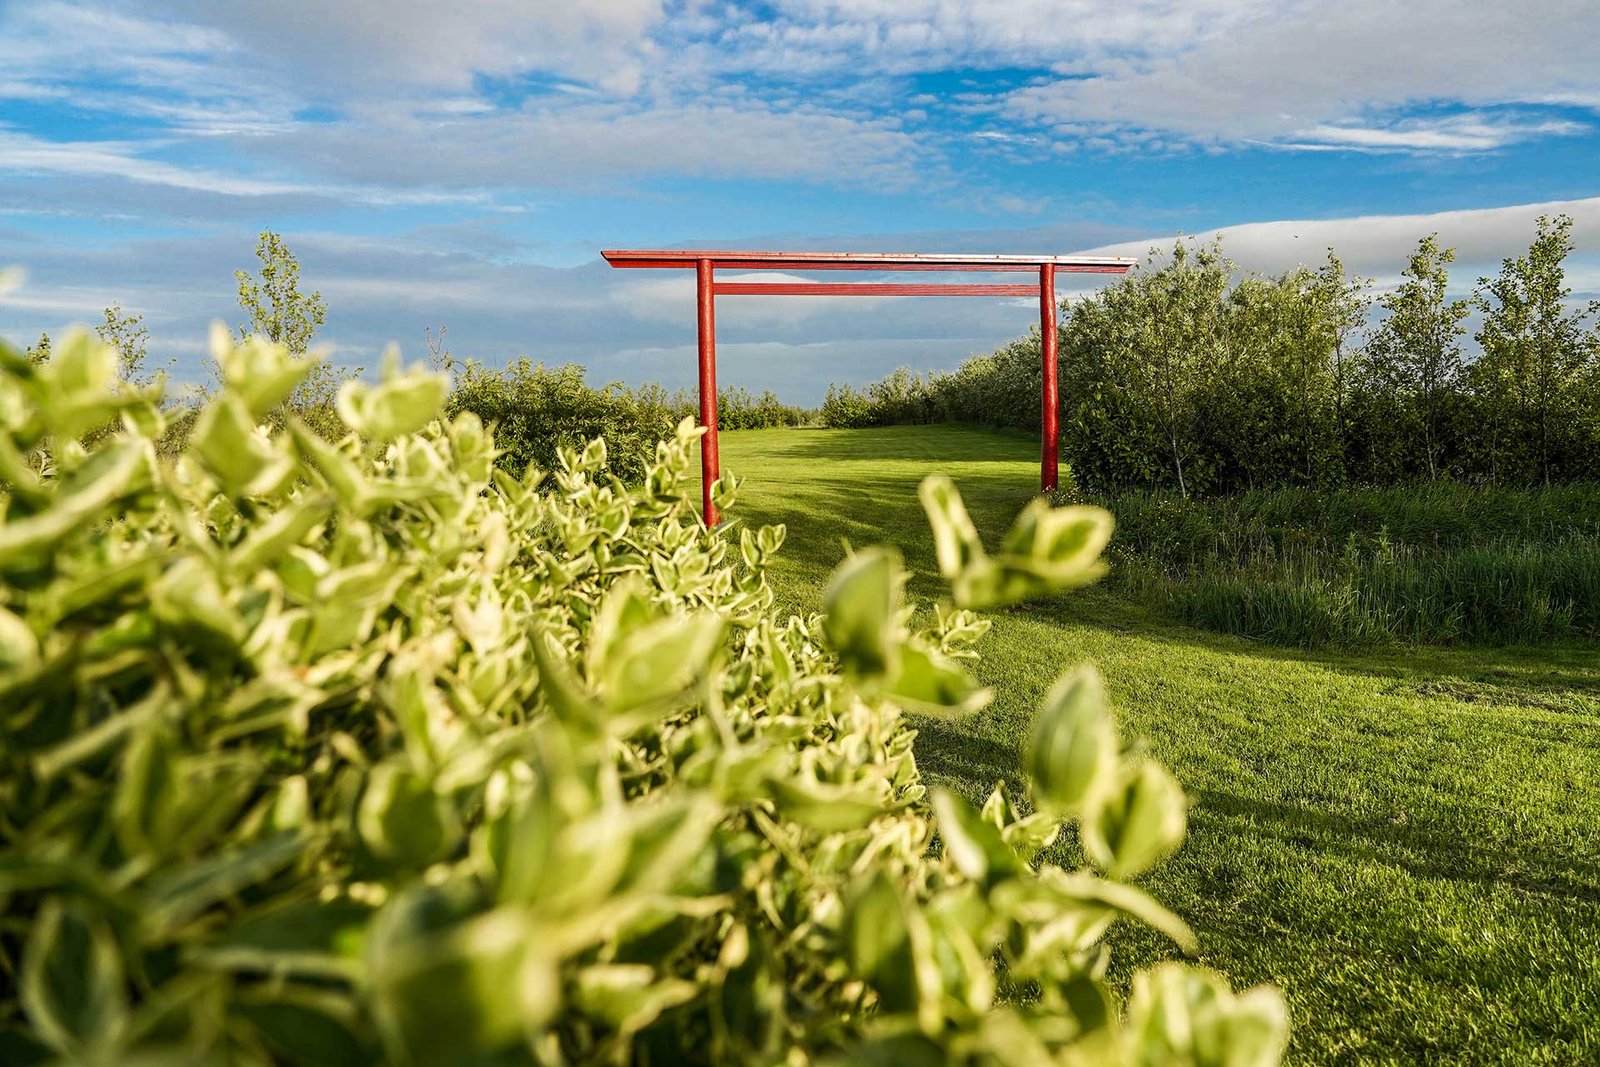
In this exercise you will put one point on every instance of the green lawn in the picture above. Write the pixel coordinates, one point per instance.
(1407, 842)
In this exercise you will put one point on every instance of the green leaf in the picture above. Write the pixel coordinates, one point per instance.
(878, 943)
(1136, 823)
(1047, 550)
(19, 646)
(1135, 903)
(972, 844)
(77, 384)
(928, 683)
(860, 606)
(658, 661)
(304, 1029)
(185, 891)
(888, 943)
(454, 992)
(827, 807)
(1073, 749)
(403, 820)
(261, 374)
(400, 404)
(241, 459)
(189, 601)
(725, 492)
(1061, 545)
(72, 981)
(559, 684)
(111, 474)
(955, 539)
(1184, 1014)
(336, 468)
(281, 532)
(629, 997)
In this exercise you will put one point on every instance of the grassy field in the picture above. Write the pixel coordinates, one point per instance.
(1407, 842)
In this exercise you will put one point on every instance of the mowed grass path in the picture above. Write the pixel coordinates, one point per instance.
(1407, 842)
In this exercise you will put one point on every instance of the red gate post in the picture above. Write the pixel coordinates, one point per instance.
(1049, 447)
(705, 299)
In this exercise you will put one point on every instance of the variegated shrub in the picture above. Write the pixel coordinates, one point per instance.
(368, 752)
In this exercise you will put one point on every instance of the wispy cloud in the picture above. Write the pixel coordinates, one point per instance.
(1456, 133)
(1377, 244)
(25, 154)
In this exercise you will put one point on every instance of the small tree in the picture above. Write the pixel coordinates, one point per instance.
(1415, 355)
(126, 333)
(280, 312)
(40, 353)
(1536, 349)
(1178, 344)
(1345, 301)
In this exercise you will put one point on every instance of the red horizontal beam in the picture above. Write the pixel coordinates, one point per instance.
(882, 261)
(785, 264)
(867, 289)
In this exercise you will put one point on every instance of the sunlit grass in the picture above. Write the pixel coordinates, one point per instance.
(1408, 842)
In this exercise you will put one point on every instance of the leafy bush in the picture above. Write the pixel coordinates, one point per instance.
(739, 409)
(901, 399)
(367, 751)
(846, 409)
(535, 411)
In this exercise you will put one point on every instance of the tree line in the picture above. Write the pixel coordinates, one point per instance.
(1191, 375)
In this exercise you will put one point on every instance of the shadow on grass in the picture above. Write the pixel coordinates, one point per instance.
(1537, 676)
(1423, 852)
(950, 754)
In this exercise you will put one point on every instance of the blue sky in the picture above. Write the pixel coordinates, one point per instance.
(461, 164)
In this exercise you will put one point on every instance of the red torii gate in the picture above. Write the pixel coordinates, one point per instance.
(706, 263)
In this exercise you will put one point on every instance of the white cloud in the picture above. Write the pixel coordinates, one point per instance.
(573, 140)
(361, 45)
(1377, 244)
(1458, 133)
(912, 35)
(191, 78)
(1288, 68)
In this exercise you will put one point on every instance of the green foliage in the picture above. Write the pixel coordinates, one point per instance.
(127, 334)
(277, 309)
(1187, 374)
(1537, 357)
(902, 398)
(1413, 362)
(367, 751)
(536, 411)
(846, 409)
(739, 409)
(279, 312)
(1439, 563)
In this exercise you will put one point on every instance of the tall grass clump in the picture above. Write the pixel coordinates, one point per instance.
(1439, 563)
